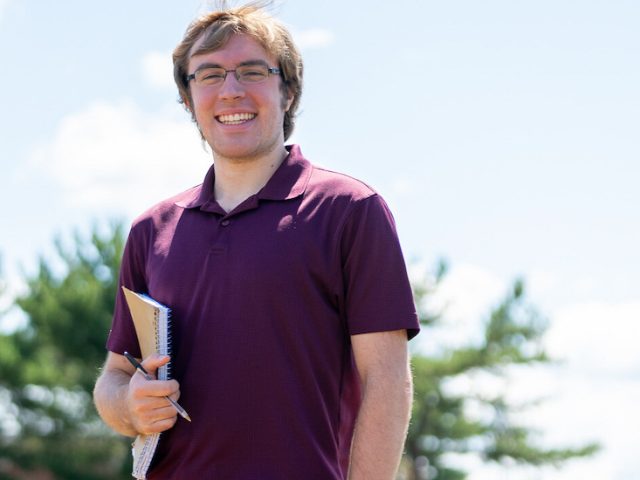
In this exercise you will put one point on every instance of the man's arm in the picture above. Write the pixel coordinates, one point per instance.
(128, 403)
(381, 428)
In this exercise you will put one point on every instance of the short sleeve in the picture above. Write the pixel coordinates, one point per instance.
(122, 336)
(378, 292)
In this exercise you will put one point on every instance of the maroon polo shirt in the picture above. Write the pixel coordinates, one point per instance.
(264, 300)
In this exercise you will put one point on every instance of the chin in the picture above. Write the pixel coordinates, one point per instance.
(243, 152)
(237, 154)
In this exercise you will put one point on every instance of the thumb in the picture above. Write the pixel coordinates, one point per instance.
(155, 361)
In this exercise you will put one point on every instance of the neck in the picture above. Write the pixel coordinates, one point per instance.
(238, 179)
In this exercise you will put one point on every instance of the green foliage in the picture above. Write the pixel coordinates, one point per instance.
(441, 423)
(48, 368)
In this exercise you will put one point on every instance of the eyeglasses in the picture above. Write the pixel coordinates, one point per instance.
(245, 74)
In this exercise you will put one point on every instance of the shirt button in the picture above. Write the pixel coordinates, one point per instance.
(224, 223)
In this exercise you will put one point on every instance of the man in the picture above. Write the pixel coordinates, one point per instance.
(290, 301)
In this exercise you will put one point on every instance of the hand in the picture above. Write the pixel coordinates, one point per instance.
(149, 411)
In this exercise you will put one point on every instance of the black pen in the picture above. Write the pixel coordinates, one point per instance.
(183, 413)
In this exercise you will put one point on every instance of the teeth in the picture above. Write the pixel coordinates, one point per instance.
(236, 118)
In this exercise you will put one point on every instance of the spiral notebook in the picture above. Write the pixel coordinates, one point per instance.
(152, 322)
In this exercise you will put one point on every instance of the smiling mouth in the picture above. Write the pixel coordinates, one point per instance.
(236, 118)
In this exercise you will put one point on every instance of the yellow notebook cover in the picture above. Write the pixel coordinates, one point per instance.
(151, 320)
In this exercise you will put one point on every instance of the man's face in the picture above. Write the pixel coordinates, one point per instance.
(240, 122)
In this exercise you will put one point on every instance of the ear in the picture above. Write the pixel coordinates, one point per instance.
(289, 102)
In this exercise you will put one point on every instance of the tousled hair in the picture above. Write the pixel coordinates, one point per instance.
(251, 19)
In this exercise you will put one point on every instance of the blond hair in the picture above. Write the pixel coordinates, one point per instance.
(217, 27)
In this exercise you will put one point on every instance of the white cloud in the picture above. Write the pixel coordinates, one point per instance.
(541, 283)
(466, 296)
(469, 292)
(592, 395)
(581, 409)
(157, 68)
(598, 338)
(115, 157)
(313, 38)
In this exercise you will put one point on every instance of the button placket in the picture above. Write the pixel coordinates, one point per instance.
(219, 245)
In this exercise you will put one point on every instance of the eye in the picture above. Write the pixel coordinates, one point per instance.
(210, 75)
(253, 73)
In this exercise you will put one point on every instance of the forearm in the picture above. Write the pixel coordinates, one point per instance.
(110, 395)
(381, 429)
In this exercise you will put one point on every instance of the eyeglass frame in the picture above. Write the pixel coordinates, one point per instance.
(270, 71)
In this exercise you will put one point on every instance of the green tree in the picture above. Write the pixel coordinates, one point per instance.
(441, 423)
(50, 428)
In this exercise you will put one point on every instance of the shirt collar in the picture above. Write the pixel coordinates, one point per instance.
(288, 181)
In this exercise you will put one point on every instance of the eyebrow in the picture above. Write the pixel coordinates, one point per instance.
(241, 64)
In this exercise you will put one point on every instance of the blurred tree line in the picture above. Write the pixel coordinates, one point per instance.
(49, 429)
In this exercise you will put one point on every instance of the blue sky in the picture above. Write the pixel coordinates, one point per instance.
(503, 134)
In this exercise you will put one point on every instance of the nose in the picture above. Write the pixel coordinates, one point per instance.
(231, 88)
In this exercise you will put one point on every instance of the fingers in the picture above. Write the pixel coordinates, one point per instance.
(149, 410)
(151, 413)
(155, 361)
(141, 388)
(154, 417)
